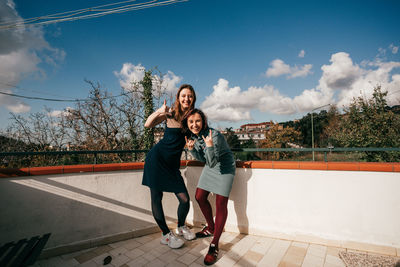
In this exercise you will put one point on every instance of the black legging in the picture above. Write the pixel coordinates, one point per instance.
(158, 212)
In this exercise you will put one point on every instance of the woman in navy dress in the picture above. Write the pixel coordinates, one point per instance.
(161, 168)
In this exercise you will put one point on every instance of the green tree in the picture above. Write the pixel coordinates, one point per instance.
(368, 123)
(148, 138)
(231, 138)
(278, 137)
(320, 121)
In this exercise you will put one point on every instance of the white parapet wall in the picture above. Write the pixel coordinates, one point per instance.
(338, 206)
(332, 206)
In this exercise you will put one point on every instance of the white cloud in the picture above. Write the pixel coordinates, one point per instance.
(302, 53)
(21, 52)
(59, 113)
(341, 73)
(131, 74)
(393, 48)
(279, 67)
(340, 82)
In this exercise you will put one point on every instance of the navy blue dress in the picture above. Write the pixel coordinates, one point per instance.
(162, 163)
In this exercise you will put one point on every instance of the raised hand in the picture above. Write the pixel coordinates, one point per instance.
(164, 109)
(190, 143)
(208, 140)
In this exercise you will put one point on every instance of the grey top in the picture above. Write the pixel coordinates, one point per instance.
(219, 170)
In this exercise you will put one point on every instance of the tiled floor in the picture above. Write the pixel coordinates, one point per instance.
(235, 250)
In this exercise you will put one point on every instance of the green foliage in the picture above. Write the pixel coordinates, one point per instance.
(278, 137)
(320, 121)
(231, 138)
(148, 138)
(368, 123)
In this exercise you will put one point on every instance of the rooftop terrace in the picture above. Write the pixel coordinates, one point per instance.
(280, 213)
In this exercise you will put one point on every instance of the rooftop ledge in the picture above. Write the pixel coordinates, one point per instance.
(344, 204)
(292, 165)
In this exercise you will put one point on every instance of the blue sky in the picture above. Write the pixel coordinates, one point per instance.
(249, 61)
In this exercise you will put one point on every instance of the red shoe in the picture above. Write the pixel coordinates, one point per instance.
(205, 232)
(212, 255)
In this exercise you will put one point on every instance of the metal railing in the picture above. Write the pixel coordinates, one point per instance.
(132, 155)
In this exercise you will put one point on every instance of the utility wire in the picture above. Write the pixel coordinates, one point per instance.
(62, 100)
(30, 90)
(93, 12)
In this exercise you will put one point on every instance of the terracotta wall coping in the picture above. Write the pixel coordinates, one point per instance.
(292, 165)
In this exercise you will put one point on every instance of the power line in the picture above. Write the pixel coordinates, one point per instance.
(92, 12)
(61, 100)
(30, 90)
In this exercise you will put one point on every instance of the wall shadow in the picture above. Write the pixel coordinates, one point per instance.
(32, 209)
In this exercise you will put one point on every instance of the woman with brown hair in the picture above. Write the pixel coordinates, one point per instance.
(209, 145)
(161, 168)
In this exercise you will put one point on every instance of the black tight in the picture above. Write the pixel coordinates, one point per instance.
(158, 212)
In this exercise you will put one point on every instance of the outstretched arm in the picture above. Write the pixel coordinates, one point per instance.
(158, 116)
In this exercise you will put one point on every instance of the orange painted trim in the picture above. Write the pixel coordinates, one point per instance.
(132, 166)
(396, 167)
(46, 170)
(292, 165)
(106, 167)
(343, 166)
(376, 167)
(313, 165)
(78, 168)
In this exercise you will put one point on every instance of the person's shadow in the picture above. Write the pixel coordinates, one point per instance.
(239, 195)
(192, 174)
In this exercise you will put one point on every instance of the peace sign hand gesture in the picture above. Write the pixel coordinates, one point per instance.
(190, 143)
(208, 140)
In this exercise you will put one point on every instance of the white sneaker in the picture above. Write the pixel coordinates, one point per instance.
(171, 240)
(186, 232)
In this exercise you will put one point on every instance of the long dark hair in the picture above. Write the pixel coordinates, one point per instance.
(185, 126)
(177, 112)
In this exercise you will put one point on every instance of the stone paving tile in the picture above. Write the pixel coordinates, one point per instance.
(331, 260)
(88, 264)
(176, 264)
(294, 256)
(187, 258)
(137, 262)
(262, 245)
(235, 250)
(134, 253)
(118, 251)
(275, 254)
(195, 264)
(85, 257)
(155, 263)
(100, 259)
(169, 256)
(120, 260)
(102, 249)
(315, 256)
(317, 250)
(146, 238)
